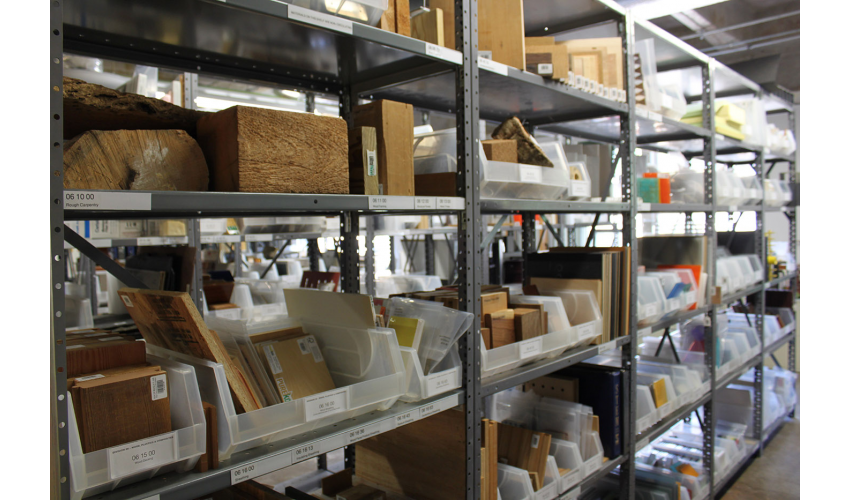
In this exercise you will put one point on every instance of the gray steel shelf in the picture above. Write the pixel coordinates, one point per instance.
(272, 43)
(781, 279)
(673, 207)
(191, 204)
(732, 297)
(738, 208)
(603, 471)
(781, 342)
(523, 374)
(662, 426)
(506, 206)
(679, 318)
(651, 129)
(739, 372)
(740, 466)
(268, 458)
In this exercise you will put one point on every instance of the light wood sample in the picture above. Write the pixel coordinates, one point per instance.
(254, 150)
(500, 150)
(528, 323)
(428, 27)
(525, 449)
(402, 17)
(501, 30)
(448, 8)
(393, 123)
(88, 106)
(171, 320)
(156, 160)
(363, 161)
(297, 367)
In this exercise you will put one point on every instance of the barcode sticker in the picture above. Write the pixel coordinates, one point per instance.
(127, 301)
(325, 404)
(372, 159)
(545, 69)
(90, 377)
(530, 173)
(302, 344)
(491, 65)
(159, 387)
(530, 347)
(271, 357)
(535, 441)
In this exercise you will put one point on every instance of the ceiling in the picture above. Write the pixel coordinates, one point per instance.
(767, 51)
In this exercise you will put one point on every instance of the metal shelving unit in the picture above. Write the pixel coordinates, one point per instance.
(351, 61)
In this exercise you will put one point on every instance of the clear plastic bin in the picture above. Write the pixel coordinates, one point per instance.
(551, 482)
(402, 283)
(362, 11)
(687, 186)
(514, 483)
(593, 453)
(686, 382)
(756, 265)
(674, 291)
(446, 377)
(561, 336)
(751, 277)
(501, 179)
(651, 300)
(696, 487)
(646, 412)
(583, 313)
(271, 225)
(753, 189)
(730, 188)
(775, 194)
(94, 473)
(786, 320)
(567, 456)
(365, 365)
(580, 183)
(786, 194)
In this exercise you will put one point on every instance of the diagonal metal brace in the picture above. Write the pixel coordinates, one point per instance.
(274, 260)
(493, 232)
(552, 230)
(102, 260)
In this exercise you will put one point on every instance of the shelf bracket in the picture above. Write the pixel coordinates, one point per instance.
(102, 260)
(552, 230)
(493, 232)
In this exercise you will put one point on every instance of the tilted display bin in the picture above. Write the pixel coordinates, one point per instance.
(104, 470)
(446, 376)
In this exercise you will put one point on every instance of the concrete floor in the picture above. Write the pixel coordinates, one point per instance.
(776, 475)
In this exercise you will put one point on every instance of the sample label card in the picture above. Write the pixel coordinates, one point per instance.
(530, 347)
(258, 237)
(530, 173)
(441, 382)
(220, 239)
(406, 418)
(491, 65)
(159, 387)
(326, 403)
(260, 468)
(586, 330)
(234, 313)
(141, 455)
(391, 202)
(644, 207)
(607, 346)
(450, 203)
(368, 431)
(429, 410)
(425, 202)
(93, 200)
(321, 20)
(443, 53)
(372, 167)
(544, 69)
(307, 451)
(650, 310)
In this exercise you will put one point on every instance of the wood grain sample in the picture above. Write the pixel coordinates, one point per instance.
(363, 161)
(254, 150)
(393, 123)
(528, 151)
(402, 17)
(96, 356)
(297, 367)
(171, 320)
(448, 8)
(501, 30)
(500, 150)
(442, 184)
(428, 27)
(502, 330)
(525, 449)
(88, 106)
(156, 160)
(528, 323)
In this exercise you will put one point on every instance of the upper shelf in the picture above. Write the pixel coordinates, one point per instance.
(652, 128)
(670, 52)
(256, 39)
(95, 205)
(548, 18)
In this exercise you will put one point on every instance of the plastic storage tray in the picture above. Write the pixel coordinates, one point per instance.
(582, 312)
(646, 412)
(446, 376)
(397, 284)
(362, 11)
(651, 300)
(561, 336)
(501, 179)
(567, 456)
(753, 189)
(580, 183)
(687, 186)
(776, 193)
(674, 293)
(366, 366)
(730, 189)
(101, 471)
(593, 453)
(514, 483)
(787, 321)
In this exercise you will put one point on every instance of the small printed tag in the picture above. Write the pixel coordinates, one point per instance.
(127, 301)
(159, 387)
(90, 377)
(545, 69)
(326, 403)
(405, 418)
(363, 433)
(491, 65)
(535, 441)
(372, 167)
(441, 382)
(141, 455)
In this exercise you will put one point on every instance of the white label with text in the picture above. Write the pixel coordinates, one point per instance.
(644, 207)
(390, 202)
(443, 53)
(141, 455)
(306, 451)
(544, 69)
(93, 200)
(491, 65)
(225, 238)
(234, 313)
(586, 330)
(321, 20)
(258, 237)
(425, 203)
(450, 203)
(260, 468)
(327, 403)
(530, 173)
(406, 418)
(530, 347)
(367, 431)
(607, 346)
(441, 382)
(429, 410)
(372, 165)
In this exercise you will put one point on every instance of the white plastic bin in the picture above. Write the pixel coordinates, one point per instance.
(104, 470)
(567, 456)
(774, 195)
(365, 365)
(730, 189)
(560, 337)
(580, 184)
(582, 312)
(646, 412)
(514, 483)
(501, 179)
(651, 300)
(551, 482)
(446, 377)
(593, 455)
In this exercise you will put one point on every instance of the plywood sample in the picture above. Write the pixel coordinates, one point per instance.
(528, 151)
(402, 17)
(428, 27)
(87, 106)
(394, 460)
(157, 160)
(297, 368)
(393, 123)
(254, 150)
(500, 150)
(502, 330)
(114, 410)
(442, 184)
(97, 356)
(171, 320)
(501, 30)
(448, 8)
(363, 161)
(528, 323)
